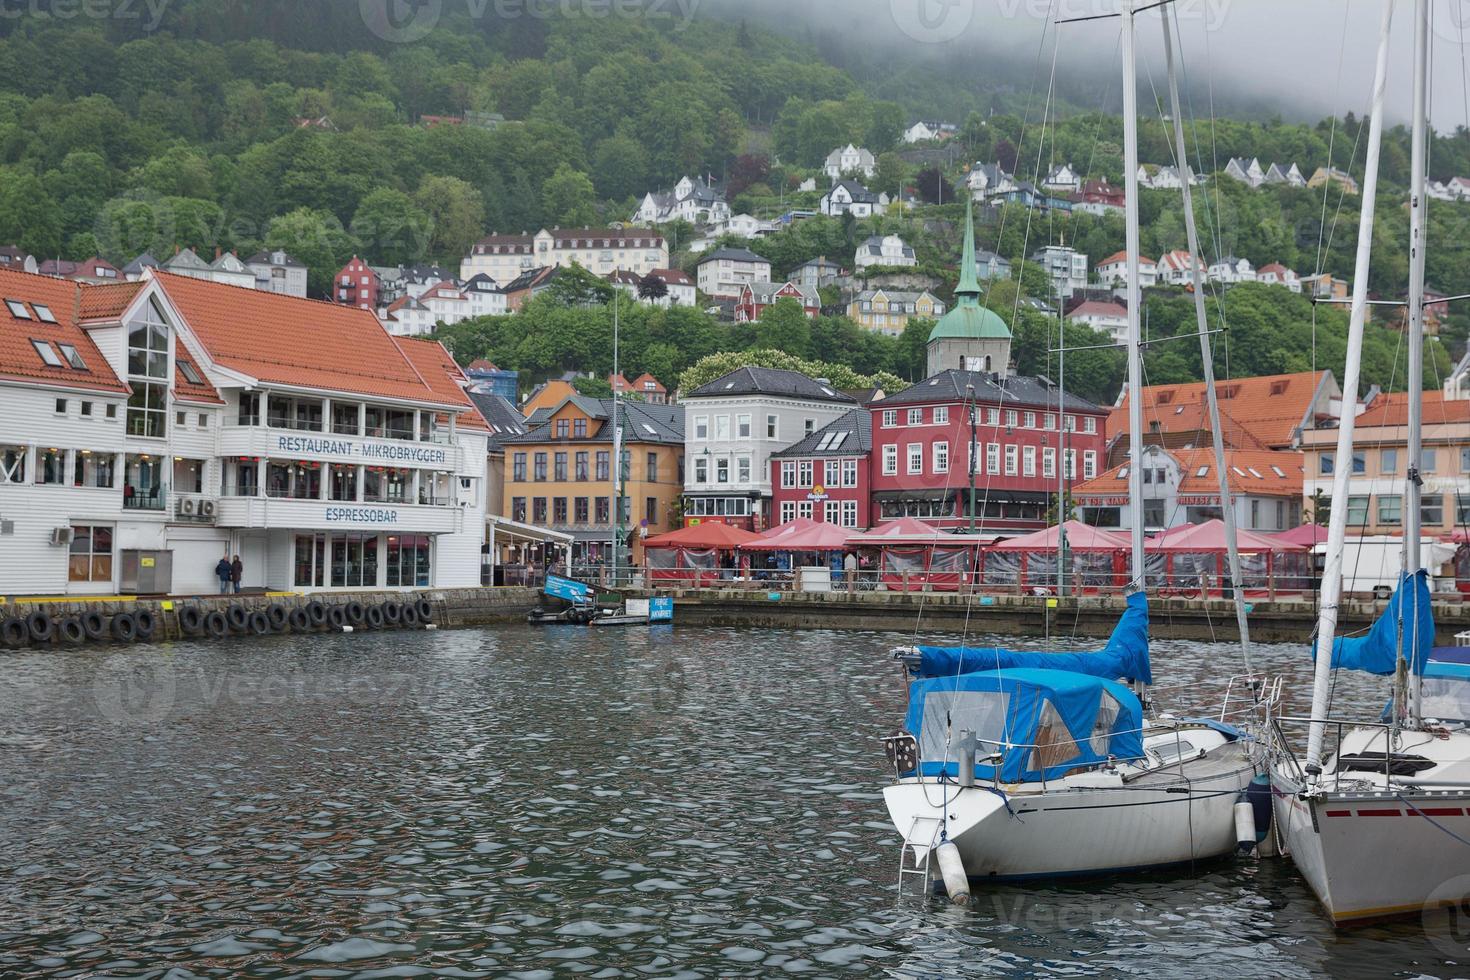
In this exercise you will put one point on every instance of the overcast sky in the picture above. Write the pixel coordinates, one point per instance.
(1310, 57)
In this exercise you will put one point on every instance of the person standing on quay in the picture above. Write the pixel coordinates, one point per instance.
(223, 572)
(237, 569)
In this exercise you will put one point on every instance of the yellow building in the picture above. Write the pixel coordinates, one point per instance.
(889, 311)
(559, 474)
(1342, 179)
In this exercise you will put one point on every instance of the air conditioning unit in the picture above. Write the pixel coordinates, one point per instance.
(206, 508)
(61, 535)
(188, 506)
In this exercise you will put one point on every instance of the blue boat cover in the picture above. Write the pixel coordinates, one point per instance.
(1042, 723)
(1377, 651)
(1125, 656)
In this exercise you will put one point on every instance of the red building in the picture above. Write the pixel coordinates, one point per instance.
(356, 285)
(922, 440)
(756, 297)
(827, 475)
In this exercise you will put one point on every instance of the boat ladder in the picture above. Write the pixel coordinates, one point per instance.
(909, 861)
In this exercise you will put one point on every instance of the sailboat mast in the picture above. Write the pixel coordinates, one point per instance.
(1343, 468)
(1207, 359)
(1413, 485)
(1135, 329)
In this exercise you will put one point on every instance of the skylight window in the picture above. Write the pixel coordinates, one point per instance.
(1277, 471)
(838, 438)
(43, 313)
(1255, 472)
(72, 357)
(190, 373)
(649, 429)
(1202, 471)
(18, 309)
(830, 392)
(1123, 473)
(47, 354)
(1238, 471)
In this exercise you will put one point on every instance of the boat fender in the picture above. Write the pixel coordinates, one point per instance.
(237, 617)
(146, 622)
(215, 624)
(40, 626)
(316, 612)
(71, 631)
(14, 633)
(94, 625)
(355, 612)
(336, 617)
(375, 617)
(425, 609)
(392, 613)
(1245, 827)
(410, 615)
(300, 621)
(952, 872)
(260, 625)
(124, 628)
(1259, 793)
(191, 619)
(278, 615)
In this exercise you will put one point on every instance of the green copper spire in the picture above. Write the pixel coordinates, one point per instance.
(969, 287)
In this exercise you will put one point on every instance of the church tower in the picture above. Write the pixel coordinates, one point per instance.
(969, 337)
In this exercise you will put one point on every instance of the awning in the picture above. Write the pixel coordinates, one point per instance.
(917, 496)
(526, 532)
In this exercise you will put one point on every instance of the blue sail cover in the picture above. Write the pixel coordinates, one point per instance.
(1125, 656)
(1377, 651)
(1044, 723)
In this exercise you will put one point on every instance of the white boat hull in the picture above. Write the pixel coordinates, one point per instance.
(1373, 855)
(1073, 829)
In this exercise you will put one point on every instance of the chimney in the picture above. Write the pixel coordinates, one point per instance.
(217, 253)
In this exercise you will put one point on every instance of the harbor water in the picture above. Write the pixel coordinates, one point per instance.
(648, 802)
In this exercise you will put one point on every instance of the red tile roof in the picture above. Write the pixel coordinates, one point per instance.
(443, 377)
(1265, 410)
(1251, 472)
(300, 342)
(186, 390)
(1393, 409)
(18, 357)
(1121, 257)
(642, 382)
(107, 301)
(1094, 308)
(673, 277)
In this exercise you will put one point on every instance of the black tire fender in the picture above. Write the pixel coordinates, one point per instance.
(124, 627)
(146, 622)
(216, 625)
(40, 626)
(260, 624)
(71, 631)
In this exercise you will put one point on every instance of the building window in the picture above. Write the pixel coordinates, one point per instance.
(651, 469)
(1048, 463)
(941, 415)
(701, 427)
(788, 511)
(1360, 464)
(832, 473)
(701, 470)
(1012, 458)
(1325, 461)
(61, 406)
(742, 426)
(916, 416)
(582, 467)
(1389, 461)
(809, 426)
(788, 474)
(1357, 511)
(849, 513)
(580, 510)
(346, 420)
(1049, 422)
(560, 464)
(409, 565)
(579, 428)
(1089, 465)
(386, 484)
(849, 472)
(604, 464)
(1089, 424)
(1030, 420)
(650, 510)
(890, 418)
(538, 510)
(992, 458)
(722, 428)
(603, 508)
(563, 428)
(92, 469)
(342, 481)
(722, 470)
(916, 458)
(518, 468)
(941, 457)
(540, 468)
(559, 510)
(89, 558)
(805, 470)
(1028, 460)
(890, 460)
(1431, 511)
(518, 509)
(354, 561)
(51, 466)
(1390, 510)
(1430, 461)
(742, 469)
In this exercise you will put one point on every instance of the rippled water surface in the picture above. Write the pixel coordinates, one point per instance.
(667, 802)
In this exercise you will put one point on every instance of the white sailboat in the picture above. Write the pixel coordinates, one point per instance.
(1017, 765)
(1380, 825)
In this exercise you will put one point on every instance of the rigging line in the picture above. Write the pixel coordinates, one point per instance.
(1036, 172)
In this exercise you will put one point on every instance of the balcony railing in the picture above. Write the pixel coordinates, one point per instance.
(144, 498)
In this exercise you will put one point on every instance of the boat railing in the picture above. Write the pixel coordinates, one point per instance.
(1336, 728)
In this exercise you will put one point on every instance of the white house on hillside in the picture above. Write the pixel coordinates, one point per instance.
(1177, 268)
(725, 272)
(1108, 318)
(989, 180)
(699, 201)
(850, 159)
(1231, 269)
(1276, 274)
(1113, 270)
(1063, 179)
(850, 197)
(889, 250)
(1065, 267)
(923, 131)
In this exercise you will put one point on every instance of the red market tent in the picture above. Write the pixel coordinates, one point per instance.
(694, 553)
(814, 537)
(782, 530)
(1099, 558)
(1196, 554)
(1303, 537)
(915, 556)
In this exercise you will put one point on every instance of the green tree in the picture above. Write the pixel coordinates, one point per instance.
(456, 214)
(784, 326)
(29, 216)
(569, 199)
(392, 228)
(317, 239)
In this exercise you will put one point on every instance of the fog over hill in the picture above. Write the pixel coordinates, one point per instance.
(1302, 59)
